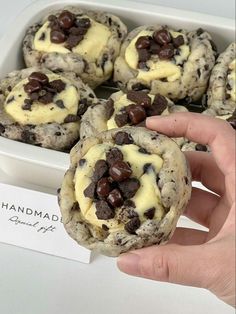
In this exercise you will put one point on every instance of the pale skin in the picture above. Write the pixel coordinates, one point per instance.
(193, 257)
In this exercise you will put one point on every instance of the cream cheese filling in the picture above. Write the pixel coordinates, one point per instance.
(90, 47)
(158, 69)
(231, 80)
(146, 197)
(41, 113)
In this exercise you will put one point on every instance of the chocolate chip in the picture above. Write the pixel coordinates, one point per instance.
(42, 36)
(146, 167)
(9, 88)
(213, 45)
(100, 169)
(129, 203)
(27, 137)
(149, 213)
(158, 106)
(10, 99)
(83, 23)
(132, 225)
(104, 211)
(34, 96)
(32, 86)
(58, 85)
(77, 31)
(120, 171)
(154, 48)
(40, 77)
(60, 103)
(122, 138)
(82, 162)
(200, 31)
(121, 118)
(75, 207)
(206, 67)
(166, 52)
(57, 133)
(143, 66)
(136, 113)
(27, 104)
(90, 190)
(52, 18)
(143, 151)
(143, 55)
(232, 121)
(178, 41)
(66, 19)
(142, 42)
(71, 118)
(114, 155)
(42, 92)
(186, 180)
(104, 227)
(103, 188)
(57, 37)
(110, 108)
(47, 98)
(115, 198)
(129, 187)
(200, 147)
(73, 40)
(162, 37)
(105, 58)
(2, 128)
(140, 86)
(140, 98)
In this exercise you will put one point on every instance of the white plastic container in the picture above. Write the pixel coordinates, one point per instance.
(46, 167)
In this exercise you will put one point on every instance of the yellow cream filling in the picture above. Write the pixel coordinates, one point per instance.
(158, 69)
(232, 80)
(41, 113)
(147, 196)
(90, 47)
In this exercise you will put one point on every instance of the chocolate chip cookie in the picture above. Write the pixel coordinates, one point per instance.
(176, 64)
(221, 94)
(103, 198)
(84, 42)
(42, 108)
(123, 109)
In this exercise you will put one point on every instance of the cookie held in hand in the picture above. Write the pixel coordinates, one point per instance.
(125, 189)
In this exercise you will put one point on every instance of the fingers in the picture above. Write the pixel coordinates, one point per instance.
(187, 236)
(216, 133)
(201, 206)
(201, 166)
(185, 265)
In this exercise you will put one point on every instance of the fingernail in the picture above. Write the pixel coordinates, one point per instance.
(129, 263)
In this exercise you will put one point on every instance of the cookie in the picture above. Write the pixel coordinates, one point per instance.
(124, 109)
(42, 108)
(81, 41)
(221, 94)
(103, 197)
(158, 59)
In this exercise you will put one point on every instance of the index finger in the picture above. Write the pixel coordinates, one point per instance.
(203, 129)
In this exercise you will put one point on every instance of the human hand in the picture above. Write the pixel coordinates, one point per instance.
(193, 257)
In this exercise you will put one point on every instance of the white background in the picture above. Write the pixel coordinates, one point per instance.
(34, 283)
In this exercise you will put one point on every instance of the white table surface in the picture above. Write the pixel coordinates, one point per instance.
(35, 283)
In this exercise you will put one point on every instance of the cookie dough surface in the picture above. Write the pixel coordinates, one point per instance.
(176, 65)
(221, 94)
(87, 45)
(48, 117)
(113, 222)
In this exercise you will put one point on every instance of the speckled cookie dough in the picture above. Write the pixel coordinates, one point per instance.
(42, 108)
(176, 64)
(123, 109)
(221, 94)
(84, 42)
(103, 198)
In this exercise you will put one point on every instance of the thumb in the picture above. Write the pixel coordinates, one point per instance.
(186, 265)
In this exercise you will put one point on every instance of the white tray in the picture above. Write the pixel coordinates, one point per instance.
(46, 167)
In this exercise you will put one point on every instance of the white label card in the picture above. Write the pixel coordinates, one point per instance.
(32, 220)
